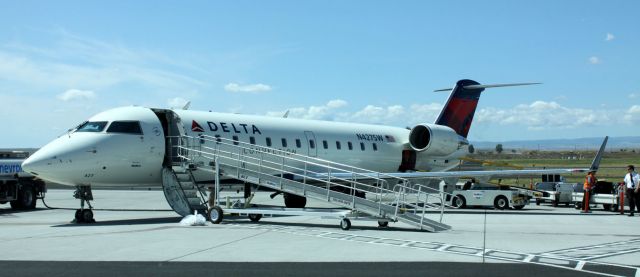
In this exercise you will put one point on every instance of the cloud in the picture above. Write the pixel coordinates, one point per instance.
(540, 114)
(253, 88)
(594, 60)
(633, 96)
(632, 115)
(76, 94)
(394, 115)
(176, 102)
(609, 37)
(74, 61)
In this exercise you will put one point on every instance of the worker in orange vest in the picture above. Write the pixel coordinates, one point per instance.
(589, 184)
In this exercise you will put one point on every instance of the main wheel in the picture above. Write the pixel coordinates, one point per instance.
(345, 224)
(519, 207)
(87, 216)
(577, 205)
(215, 214)
(294, 201)
(614, 208)
(538, 201)
(255, 217)
(78, 216)
(459, 201)
(606, 207)
(501, 203)
(383, 223)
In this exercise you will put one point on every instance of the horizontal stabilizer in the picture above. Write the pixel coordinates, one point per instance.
(489, 86)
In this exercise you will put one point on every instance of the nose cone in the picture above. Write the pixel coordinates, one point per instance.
(34, 164)
(60, 160)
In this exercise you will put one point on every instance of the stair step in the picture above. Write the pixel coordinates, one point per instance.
(191, 193)
(194, 201)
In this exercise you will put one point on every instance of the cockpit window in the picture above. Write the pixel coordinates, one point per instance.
(95, 126)
(125, 127)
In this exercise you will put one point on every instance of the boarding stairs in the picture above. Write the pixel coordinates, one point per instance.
(387, 197)
(183, 194)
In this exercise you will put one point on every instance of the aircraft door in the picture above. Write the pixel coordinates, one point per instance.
(173, 129)
(312, 146)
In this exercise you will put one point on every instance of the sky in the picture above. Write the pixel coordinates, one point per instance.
(372, 62)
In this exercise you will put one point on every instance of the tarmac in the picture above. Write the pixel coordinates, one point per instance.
(137, 233)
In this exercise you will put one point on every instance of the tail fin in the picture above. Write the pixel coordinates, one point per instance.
(461, 106)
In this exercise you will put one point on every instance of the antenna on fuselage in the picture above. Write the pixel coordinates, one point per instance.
(286, 114)
(187, 105)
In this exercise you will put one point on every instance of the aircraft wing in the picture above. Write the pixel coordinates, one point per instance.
(482, 174)
(454, 174)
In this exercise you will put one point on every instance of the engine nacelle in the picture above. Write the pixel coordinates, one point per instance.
(435, 139)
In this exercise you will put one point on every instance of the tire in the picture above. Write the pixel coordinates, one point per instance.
(577, 205)
(345, 224)
(78, 216)
(606, 207)
(255, 217)
(538, 201)
(215, 214)
(519, 207)
(27, 197)
(87, 216)
(15, 204)
(459, 201)
(614, 208)
(383, 223)
(294, 201)
(501, 203)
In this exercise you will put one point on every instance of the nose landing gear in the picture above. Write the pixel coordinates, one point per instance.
(83, 215)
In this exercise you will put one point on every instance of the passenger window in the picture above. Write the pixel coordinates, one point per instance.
(125, 127)
(96, 126)
(375, 147)
(252, 140)
(235, 140)
(362, 146)
(338, 146)
(350, 145)
(312, 144)
(298, 143)
(325, 145)
(284, 142)
(268, 142)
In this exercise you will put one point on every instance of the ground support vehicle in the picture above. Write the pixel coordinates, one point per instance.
(555, 193)
(500, 197)
(20, 189)
(605, 193)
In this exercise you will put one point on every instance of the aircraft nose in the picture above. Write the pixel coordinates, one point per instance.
(34, 164)
(54, 161)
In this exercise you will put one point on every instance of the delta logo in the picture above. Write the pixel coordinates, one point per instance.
(195, 127)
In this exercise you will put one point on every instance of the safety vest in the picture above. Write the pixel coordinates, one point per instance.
(589, 182)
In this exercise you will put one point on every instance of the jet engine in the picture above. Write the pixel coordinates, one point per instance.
(437, 140)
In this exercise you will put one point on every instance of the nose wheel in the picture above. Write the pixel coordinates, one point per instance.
(83, 215)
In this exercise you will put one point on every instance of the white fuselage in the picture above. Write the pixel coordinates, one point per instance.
(103, 155)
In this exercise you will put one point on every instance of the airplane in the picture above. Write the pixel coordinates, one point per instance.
(130, 146)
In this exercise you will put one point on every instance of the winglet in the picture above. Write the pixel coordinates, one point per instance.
(596, 161)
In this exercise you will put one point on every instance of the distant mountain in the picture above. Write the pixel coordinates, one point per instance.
(562, 144)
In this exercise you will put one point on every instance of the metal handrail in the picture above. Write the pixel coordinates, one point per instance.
(263, 159)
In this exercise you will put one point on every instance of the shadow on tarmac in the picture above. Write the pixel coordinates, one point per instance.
(138, 221)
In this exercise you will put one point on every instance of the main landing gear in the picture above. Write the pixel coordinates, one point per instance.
(83, 215)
